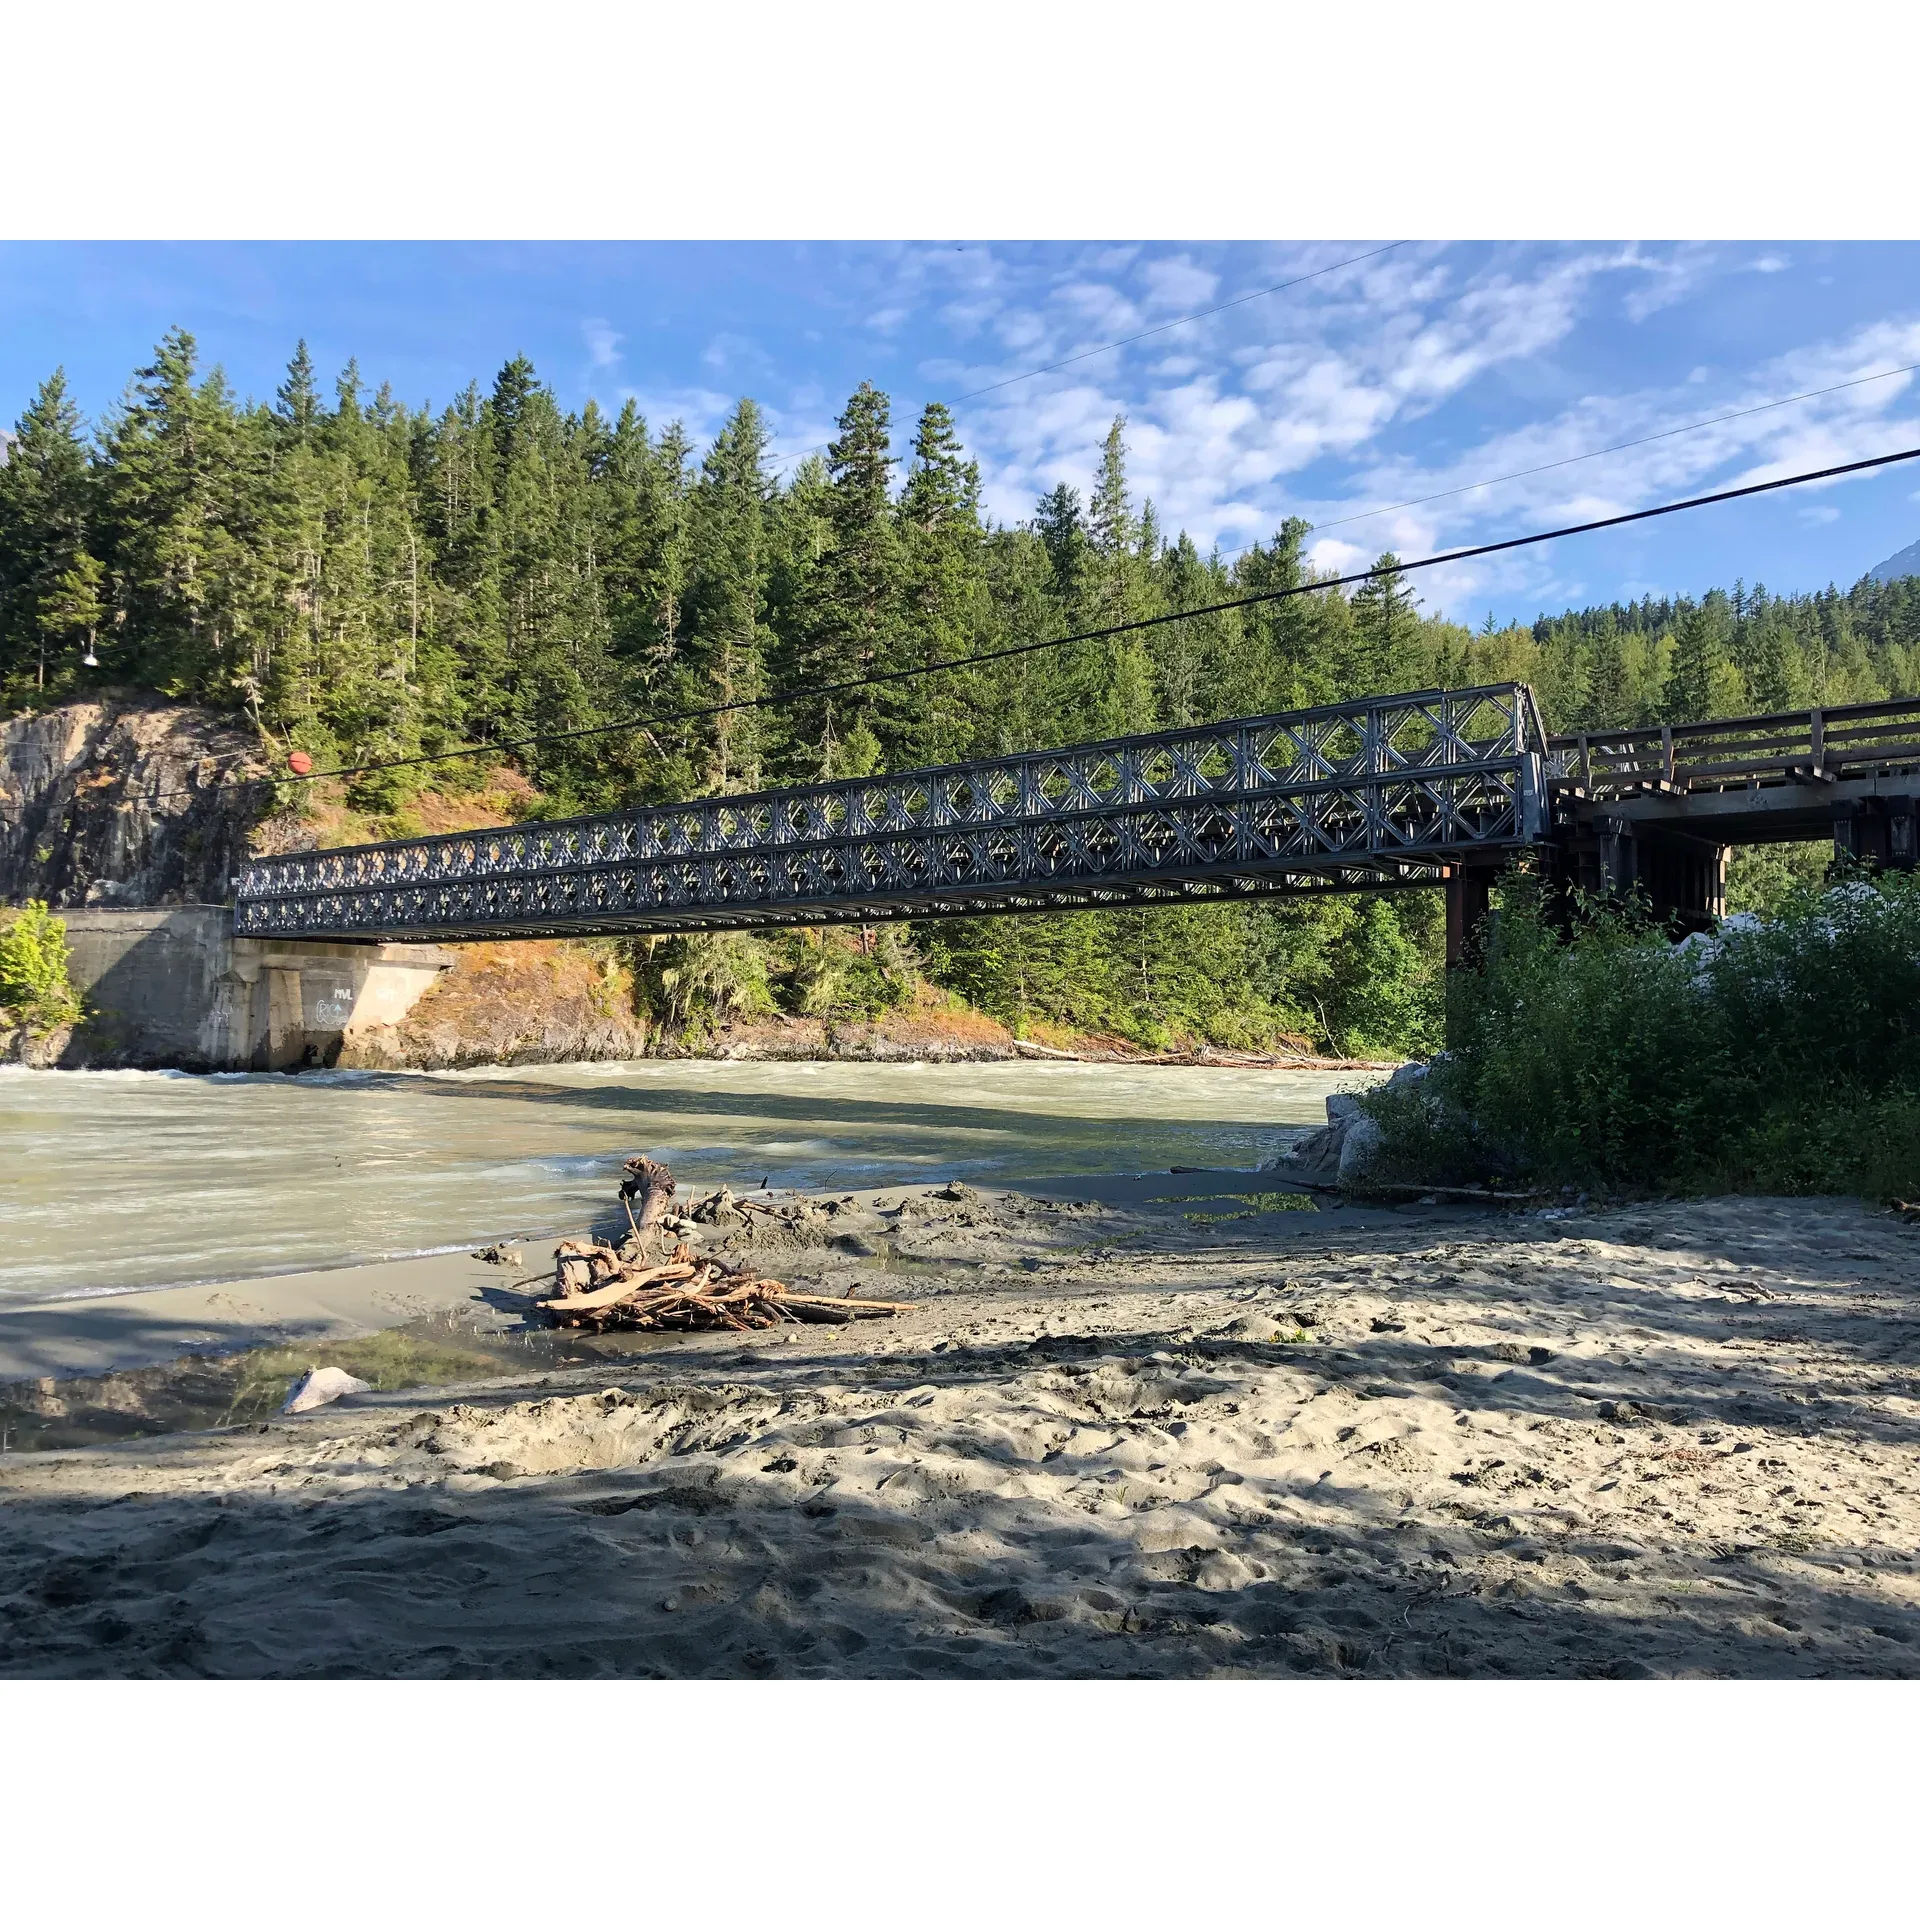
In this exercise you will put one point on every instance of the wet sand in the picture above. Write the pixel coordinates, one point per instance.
(1130, 1434)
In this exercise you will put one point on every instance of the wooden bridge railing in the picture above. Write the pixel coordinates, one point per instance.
(1820, 744)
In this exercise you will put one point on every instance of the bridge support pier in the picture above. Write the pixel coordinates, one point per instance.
(1681, 876)
(1879, 831)
(1469, 889)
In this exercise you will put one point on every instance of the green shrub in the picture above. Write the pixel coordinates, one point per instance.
(689, 983)
(1783, 1056)
(1762, 879)
(35, 992)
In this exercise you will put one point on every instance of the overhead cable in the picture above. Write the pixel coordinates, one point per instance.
(1574, 459)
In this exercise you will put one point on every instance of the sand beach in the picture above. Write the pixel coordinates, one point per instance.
(1183, 1426)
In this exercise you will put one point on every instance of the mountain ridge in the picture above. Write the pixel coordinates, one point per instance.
(1898, 565)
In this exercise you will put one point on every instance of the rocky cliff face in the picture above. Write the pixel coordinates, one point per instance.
(124, 801)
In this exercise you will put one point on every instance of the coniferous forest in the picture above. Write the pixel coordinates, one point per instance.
(367, 581)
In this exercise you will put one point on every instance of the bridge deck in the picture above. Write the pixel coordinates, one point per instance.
(1761, 777)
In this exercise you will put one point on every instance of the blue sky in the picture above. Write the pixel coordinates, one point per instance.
(1422, 370)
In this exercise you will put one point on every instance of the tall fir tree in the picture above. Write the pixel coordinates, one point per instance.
(928, 721)
(1386, 628)
(1061, 522)
(173, 465)
(1606, 701)
(47, 570)
(723, 652)
(853, 616)
(1697, 675)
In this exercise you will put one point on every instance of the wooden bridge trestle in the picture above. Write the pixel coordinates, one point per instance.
(1657, 809)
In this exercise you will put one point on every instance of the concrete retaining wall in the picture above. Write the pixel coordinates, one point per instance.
(172, 987)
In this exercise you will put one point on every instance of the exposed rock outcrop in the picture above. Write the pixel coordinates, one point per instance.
(512, 1003)
(126, 801)
(19, 1048)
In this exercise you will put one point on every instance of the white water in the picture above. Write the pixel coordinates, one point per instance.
(117, 1180)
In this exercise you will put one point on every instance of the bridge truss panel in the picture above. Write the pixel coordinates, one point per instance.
(1394, 791)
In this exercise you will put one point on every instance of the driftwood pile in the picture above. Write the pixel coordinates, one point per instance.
(631, 1286)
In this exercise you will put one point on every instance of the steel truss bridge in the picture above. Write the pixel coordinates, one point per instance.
(1402, 790)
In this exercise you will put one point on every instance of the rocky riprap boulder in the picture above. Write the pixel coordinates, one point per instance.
(1342, 1153)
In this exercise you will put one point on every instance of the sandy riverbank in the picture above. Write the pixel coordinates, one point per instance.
(1140, 1433)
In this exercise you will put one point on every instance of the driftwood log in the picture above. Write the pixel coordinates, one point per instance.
(609, 1288)
(694, 1294)
(654, 1184)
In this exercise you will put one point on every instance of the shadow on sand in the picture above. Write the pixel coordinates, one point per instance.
(729, 1539)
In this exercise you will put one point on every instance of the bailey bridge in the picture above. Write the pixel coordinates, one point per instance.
(1414, 789)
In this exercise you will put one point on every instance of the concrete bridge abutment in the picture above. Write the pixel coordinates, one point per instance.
(174, 987)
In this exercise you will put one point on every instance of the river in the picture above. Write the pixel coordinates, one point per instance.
(111, 1181)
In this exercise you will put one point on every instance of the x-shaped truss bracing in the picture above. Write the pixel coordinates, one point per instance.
(1373, 793)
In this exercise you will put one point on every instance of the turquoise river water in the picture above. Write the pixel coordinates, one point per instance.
(117, 1180)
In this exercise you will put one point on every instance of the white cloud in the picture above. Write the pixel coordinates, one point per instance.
(1177, 284)
(1819, 516)
(1336, 556)
(1767, 263)
(738, 357)
(701, 410)
(1219, 421)
(603, 344)
(1762, 445)
(1310, 402)
(1671, 277)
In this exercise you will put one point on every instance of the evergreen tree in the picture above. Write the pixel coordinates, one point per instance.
(1118, 677)
(1606, 693)
(1699, 656)
(928, 721)
(1297, 647)
(170, 470)
(1112, 529)
(1062, 526)
(513, 387)
(853, 617)
(723, 652)
(1386, 628)
(49, 580)
(298, 397)
(72, 609)
(1778, 683)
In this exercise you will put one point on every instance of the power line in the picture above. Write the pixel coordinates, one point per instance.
(895, 675)
(1574, 459)
(1127, 340)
